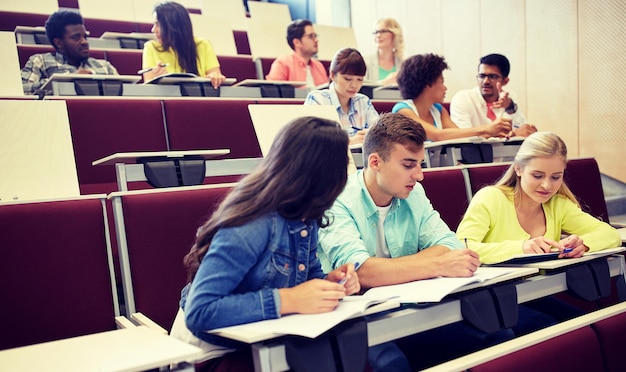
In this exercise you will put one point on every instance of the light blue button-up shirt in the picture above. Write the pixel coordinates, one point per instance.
(361, 114)
(411, 225)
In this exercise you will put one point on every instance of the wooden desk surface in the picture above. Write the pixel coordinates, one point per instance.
(132, 349)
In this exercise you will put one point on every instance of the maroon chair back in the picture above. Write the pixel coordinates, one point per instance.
(485, 174)
(445, 187)
(383, 106)
(241, 42)
(126, 61)
(212, 124)
(56, 280)
(611, 333)
(544, 356)
(10, 20)
(583, 178)
(160, 228)
(97, 27)
(238, 67)
(103, 127)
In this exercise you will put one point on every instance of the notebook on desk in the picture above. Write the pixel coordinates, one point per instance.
(551, 260)
(184, 77)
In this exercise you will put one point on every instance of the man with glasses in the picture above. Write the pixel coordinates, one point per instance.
(300, 65)
(488, 103)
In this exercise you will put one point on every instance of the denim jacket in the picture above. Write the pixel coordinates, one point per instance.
(238, 279)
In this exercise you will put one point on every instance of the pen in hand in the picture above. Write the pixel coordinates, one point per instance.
(344, 280)
(141, 72)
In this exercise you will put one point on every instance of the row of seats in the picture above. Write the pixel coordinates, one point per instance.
(103, 126)
(128, 61)
(598, 338)
(96, 27)
(57, 255)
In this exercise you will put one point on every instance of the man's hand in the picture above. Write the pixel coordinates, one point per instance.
(459, 263)
(525, 130)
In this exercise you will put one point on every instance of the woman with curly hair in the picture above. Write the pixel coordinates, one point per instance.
(176, 49)
(422, 86)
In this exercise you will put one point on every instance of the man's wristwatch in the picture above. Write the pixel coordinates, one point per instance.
(512, 108)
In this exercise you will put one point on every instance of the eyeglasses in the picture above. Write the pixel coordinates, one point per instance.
(491, 77)
(310, 36)
(383, 31)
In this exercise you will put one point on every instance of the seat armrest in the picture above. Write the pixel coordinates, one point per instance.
(143, 320)
(123, 322)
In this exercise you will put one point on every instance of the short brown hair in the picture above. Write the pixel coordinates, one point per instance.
(392, 128)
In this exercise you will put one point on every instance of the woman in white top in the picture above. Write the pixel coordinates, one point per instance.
(383, 66)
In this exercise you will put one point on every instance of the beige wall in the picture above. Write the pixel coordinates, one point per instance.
(568, 59)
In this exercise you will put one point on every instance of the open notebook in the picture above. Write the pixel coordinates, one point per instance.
(269, 119)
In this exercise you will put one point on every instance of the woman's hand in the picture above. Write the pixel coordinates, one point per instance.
(576, 244)
(540, 244)
(157, 70)
(216, 77)
(311, 297)
(347, 276)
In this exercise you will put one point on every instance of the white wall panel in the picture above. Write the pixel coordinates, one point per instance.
(602, 58)
(552, 68)
(461, 43)
(503, 30)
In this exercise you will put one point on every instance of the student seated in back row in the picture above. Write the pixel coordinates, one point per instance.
(300, 65)
(355, 110)
(528, 210)
(420, 81)
(487, 102)
(67, 34)
(176, 49)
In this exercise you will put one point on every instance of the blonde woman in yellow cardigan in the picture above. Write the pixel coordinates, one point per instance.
(530, 206)
(526, 211)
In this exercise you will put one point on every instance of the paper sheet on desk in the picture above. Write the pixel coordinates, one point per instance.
(309, 325)
(433, 290)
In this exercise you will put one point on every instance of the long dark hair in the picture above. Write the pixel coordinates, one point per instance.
(304, 172)
(177, 33)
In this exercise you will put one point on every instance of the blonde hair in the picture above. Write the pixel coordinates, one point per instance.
(537, 145)
(398, 39)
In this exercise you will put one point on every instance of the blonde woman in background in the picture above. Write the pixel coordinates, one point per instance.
(383, 66)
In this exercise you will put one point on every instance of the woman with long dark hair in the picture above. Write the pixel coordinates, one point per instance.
(176, 49)
(256, 257)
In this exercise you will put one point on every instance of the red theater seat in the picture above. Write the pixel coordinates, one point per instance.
(102, 127)
(550, 355)
(611, 333)
(241, 42)
(485, 174)
(56, 280)
(238, 67)
(126, 61)
(445, 187)
(159, 228)
(583, 177)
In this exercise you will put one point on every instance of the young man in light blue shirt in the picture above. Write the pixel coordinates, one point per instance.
(384, 221)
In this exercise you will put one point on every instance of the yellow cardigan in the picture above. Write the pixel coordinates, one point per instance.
(491, 227)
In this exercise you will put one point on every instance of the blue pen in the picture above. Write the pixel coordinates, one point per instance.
(344, 280)
(567, 250)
